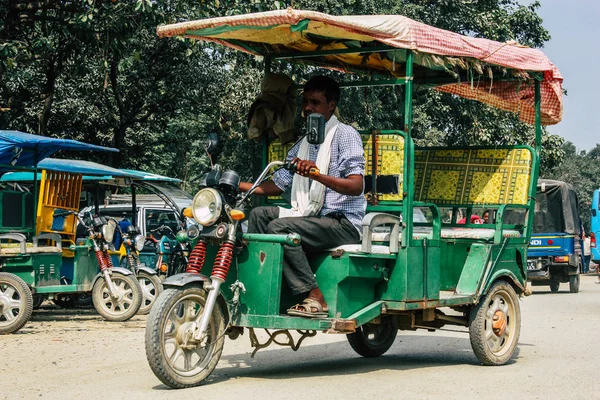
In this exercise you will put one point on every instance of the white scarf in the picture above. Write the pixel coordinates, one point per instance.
(307, 200)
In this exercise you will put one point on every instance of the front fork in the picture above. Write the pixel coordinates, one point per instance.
(105, 264)
(221, 265)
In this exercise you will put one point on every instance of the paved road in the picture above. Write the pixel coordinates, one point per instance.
(65, 354)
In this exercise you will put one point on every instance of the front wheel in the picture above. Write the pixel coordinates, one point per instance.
(574, 283)
(124, 304)
(151, 286)
(16, 303)
(495, 325)
(554, 285)
(175, 357)
(372, 340)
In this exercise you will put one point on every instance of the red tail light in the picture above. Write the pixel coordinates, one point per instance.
(592, 240)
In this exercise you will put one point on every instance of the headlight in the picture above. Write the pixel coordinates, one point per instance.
(207, 206)
(108, 231)
(139, 242)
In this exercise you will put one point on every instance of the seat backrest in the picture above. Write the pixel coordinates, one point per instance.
(443, 176)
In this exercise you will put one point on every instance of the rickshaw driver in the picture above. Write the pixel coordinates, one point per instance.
(327, 209)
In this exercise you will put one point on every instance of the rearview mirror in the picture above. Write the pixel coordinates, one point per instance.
(315, 128)
(213, 141)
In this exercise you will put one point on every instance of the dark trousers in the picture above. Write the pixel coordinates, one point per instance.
(317, 234)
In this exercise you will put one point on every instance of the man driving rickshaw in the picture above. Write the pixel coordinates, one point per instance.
(331, 204)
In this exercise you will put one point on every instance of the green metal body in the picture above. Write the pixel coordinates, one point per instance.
(425, 273)
(51, 273)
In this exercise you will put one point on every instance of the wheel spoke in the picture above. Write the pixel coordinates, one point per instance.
(175, 356)
(9, 316)
(16, 304)
(9, 292)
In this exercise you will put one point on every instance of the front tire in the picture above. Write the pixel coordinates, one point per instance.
(16, 303)
(574, 283)
(151, 286)
(495, 325)
(127, 303)
(373, 340)
(554, 285)
(174, 357)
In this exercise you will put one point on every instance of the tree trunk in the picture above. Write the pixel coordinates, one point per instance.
(51, 73)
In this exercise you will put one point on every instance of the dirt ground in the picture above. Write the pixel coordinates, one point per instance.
(74, 354)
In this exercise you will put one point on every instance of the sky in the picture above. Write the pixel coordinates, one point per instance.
(574, 48)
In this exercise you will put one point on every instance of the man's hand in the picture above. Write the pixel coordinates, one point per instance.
(351, 185)
(303, 167)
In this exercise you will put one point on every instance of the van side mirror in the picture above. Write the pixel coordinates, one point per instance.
(213, 141)
(315, 128)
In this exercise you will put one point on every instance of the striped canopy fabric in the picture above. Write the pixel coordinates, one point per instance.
(495, 73)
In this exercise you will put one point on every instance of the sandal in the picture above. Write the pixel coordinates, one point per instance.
(305, 309)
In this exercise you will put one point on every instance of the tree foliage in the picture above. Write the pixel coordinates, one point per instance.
(582, 170)
(95, 70)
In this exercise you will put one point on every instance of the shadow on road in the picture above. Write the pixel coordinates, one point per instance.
(336, 359)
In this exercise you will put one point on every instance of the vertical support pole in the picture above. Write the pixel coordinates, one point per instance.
(133, 206)
(408, 174)
(535, 164)
(538, 118)
(36, 192)
(265, 140)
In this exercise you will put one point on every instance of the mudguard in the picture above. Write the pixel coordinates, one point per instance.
(147, 270)
(183, 279)
(508, 276)
(117, 270)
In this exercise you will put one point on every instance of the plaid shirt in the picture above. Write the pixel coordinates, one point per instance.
(347, 158)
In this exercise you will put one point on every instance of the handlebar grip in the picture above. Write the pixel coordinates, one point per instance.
(314, 172)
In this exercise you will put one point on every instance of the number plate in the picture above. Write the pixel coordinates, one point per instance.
(531, 265)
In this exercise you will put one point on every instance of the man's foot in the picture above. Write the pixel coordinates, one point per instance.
(309, 308)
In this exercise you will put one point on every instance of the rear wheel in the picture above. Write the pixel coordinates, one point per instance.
(574, 283)
(495, 325)
(373, 340)
(16, 303)
(126, 302)
(554, 285)
(151, 286)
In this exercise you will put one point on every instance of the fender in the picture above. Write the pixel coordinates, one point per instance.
(115, 270)
(510, 277)
(183, 279)
(148, 270)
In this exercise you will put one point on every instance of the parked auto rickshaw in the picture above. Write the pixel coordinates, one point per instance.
(38, 240)
(555, 249)
(414, 275)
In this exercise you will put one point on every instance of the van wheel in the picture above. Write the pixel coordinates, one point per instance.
(574, 283)
(495, 325)
(372, 340)
(554, 285)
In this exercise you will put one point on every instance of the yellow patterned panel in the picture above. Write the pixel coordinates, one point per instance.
(443, 185)
(521, 189)
(485, 187)
(390, 159)
(485, 176)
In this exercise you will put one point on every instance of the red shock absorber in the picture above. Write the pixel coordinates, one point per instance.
(103, 263)
(107, 258)
(223, 261)
(197, 258)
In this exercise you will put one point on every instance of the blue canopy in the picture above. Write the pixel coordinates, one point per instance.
(150, 177)
(23, 149)
(92, 170)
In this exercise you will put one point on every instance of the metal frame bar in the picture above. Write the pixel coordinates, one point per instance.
(408, 178)
(309, 54)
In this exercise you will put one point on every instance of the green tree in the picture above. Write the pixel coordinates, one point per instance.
(95, 70)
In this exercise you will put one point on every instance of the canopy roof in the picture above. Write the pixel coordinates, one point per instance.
(499, 74)
(21, 149)
(150, 177)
